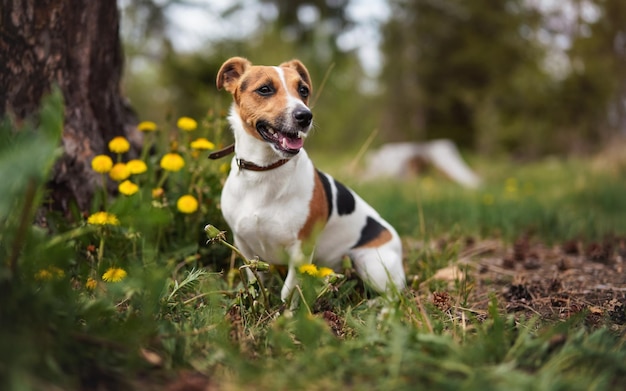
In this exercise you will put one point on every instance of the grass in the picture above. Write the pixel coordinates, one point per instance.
(553, 199)
(184, 315)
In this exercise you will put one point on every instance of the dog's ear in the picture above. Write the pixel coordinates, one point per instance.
(230, 72)
(301, 69)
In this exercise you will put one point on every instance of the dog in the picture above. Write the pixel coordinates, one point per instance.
(276, 202)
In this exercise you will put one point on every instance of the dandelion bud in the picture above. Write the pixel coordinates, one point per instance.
(335, 277)
(261, 266)
(212, 232)
(346, 263)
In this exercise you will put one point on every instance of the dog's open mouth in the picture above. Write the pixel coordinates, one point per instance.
(284, 141)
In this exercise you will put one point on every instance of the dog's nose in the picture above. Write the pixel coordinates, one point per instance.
(303, 117)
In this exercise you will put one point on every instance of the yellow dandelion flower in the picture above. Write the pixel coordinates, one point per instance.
(172, 162)
(102, 164)
(158, 192)
(128, 188)
(43, 275)
(91, 284)
(119, 172)
(186, 124)
(187, 204)
(224, 168)
(510, 185)
(49, 273)
(309, 269)
(202, 143)
(103, 218)
(119, 145)
(325, 271)
(137, 166)
(147, 126)
(114, 274)
(56, 271)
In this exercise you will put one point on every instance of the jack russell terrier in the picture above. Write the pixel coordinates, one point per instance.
(276, 202)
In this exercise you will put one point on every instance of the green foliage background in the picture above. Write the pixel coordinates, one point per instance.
(477, 72)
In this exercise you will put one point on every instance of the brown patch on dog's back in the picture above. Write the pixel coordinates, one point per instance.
(318, 210)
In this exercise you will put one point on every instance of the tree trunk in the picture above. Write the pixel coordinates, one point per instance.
(75, 45)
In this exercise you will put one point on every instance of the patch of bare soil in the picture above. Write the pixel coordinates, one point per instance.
(552, 282)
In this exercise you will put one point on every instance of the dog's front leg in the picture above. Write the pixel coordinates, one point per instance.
(290, 283)
(296, 259)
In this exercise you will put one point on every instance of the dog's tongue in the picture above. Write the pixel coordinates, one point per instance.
(292, 143)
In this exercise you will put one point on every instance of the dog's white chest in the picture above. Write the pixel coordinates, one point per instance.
(267, 212)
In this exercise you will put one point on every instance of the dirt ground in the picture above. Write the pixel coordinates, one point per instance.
(529, 278)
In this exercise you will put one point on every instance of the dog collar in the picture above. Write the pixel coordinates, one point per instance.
(244, 164)
(222, 152)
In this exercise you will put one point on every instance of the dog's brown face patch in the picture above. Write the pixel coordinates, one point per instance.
(271, 101)
(261, 97)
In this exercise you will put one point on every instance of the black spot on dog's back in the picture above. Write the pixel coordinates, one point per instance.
(345, 200)
(371, 231)
(327, 190)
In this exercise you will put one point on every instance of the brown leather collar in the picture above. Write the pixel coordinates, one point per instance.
(222, 152)
(244, 164)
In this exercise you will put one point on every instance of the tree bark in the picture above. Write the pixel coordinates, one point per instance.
(75, 45)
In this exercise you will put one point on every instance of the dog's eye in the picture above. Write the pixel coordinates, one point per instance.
(265, 90)
(303, 91)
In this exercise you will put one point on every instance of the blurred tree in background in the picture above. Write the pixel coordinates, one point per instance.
(512, 76)
(594, 92)
(475, 72)
(446, 59)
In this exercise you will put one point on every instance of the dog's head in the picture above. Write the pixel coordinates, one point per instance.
(272, 102)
